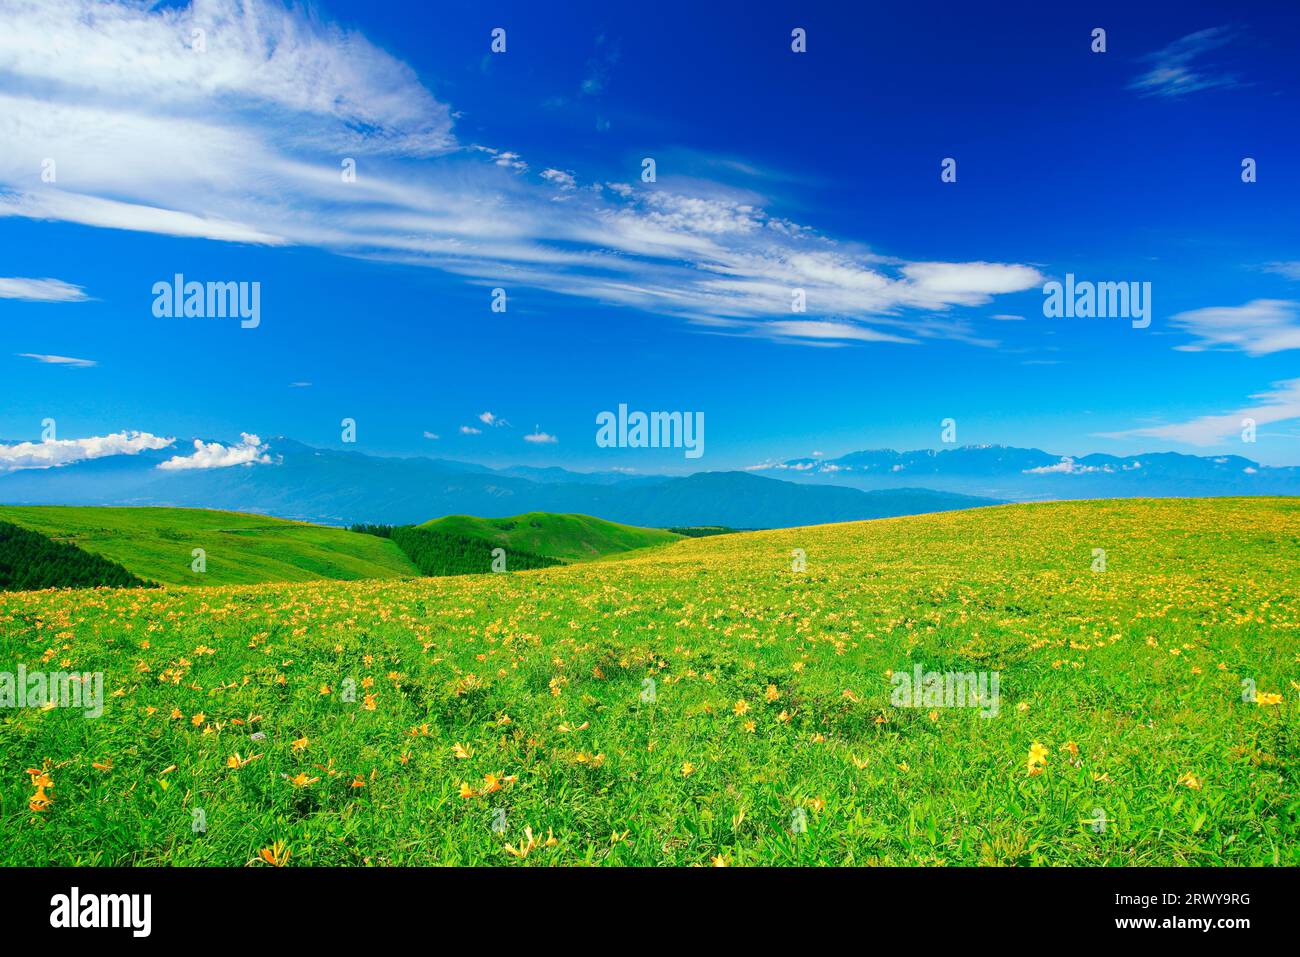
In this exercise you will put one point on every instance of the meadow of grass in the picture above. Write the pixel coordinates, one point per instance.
(157, 543)
(571, 538)
(507, 719)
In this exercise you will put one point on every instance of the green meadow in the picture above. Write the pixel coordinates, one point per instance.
(707, 701)
(157, 544)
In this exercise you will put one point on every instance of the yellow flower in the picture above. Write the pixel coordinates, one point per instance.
(1190, 780)
(300, 744)
(687, 769)
(529, 843)
(1267, 697)
(1037, 759)
(741, 707)
(197, 719)
(300, 780)
(40, 778)
(460, 751)
(277, 855)
(771, 694)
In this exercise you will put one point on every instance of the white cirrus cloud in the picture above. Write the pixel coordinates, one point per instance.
(58, 360)
(1281, 403)
(250, 450)
(560, 178)
(431, 435)
(244, 143)
(504, 158)
(51, 453)
(1259, 327)
(1291, 270)
(1174, 72)
(41, 290)
(255, 55)
(470, 430)
(539, 437)
(934, 285)
(489, 418)
(812, 330)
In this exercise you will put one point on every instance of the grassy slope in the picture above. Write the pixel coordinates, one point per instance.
(1129, 680)
(156, 544)
(572, 538)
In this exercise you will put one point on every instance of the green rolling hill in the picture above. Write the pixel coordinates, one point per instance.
(157, 543)
(570, 538)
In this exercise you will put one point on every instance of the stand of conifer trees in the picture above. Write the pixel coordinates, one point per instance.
(441, 553)
(30, 560)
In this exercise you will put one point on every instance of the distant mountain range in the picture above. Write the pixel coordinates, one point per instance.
(335, 487)
(1016, 474)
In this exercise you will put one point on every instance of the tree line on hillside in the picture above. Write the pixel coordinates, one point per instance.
(443, 553)
(703, 531)
(30, 560)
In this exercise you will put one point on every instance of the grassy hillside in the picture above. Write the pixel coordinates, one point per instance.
(699, 702)
(572, 538)
(157, 544)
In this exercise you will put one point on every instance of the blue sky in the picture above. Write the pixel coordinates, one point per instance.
(775, 171)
